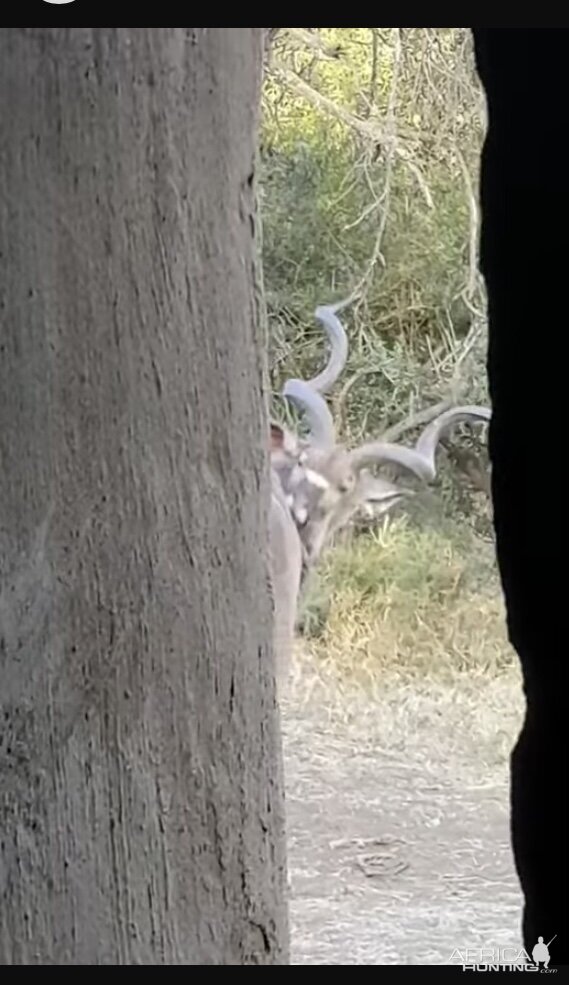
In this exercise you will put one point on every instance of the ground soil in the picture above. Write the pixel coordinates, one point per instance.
(398, 828)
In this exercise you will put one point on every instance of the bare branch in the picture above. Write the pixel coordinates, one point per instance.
(374, 68)
(365, 128)
(371, 131)
(391, 125)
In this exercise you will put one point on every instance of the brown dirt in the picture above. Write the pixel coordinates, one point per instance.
(399, 847)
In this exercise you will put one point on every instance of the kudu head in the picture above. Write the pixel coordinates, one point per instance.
(325, 483)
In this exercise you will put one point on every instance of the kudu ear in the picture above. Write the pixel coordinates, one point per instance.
(283, 440)
(277, 437)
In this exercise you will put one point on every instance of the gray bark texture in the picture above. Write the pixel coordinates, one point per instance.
(141, 813)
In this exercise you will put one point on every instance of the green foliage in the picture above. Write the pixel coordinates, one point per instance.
(370, 145)
(406, 599)
(362, 181)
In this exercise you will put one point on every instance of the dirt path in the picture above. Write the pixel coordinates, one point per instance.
(398, 833)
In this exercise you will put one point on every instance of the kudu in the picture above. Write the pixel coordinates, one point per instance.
(285, 555)
(325, 484)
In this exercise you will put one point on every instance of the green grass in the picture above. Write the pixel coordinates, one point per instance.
(407, 601)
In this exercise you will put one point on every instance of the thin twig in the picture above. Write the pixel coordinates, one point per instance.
(374, 67)
(473, 240)
(391, 130)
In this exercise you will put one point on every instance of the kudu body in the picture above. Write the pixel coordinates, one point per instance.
(286, 551)
(325, 484)
(285, 555)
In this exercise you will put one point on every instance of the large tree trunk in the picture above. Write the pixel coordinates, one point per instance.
(140, 790)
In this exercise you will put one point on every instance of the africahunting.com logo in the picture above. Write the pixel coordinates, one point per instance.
(504, 958)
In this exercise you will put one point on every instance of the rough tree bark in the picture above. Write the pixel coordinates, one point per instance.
(140, 794)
